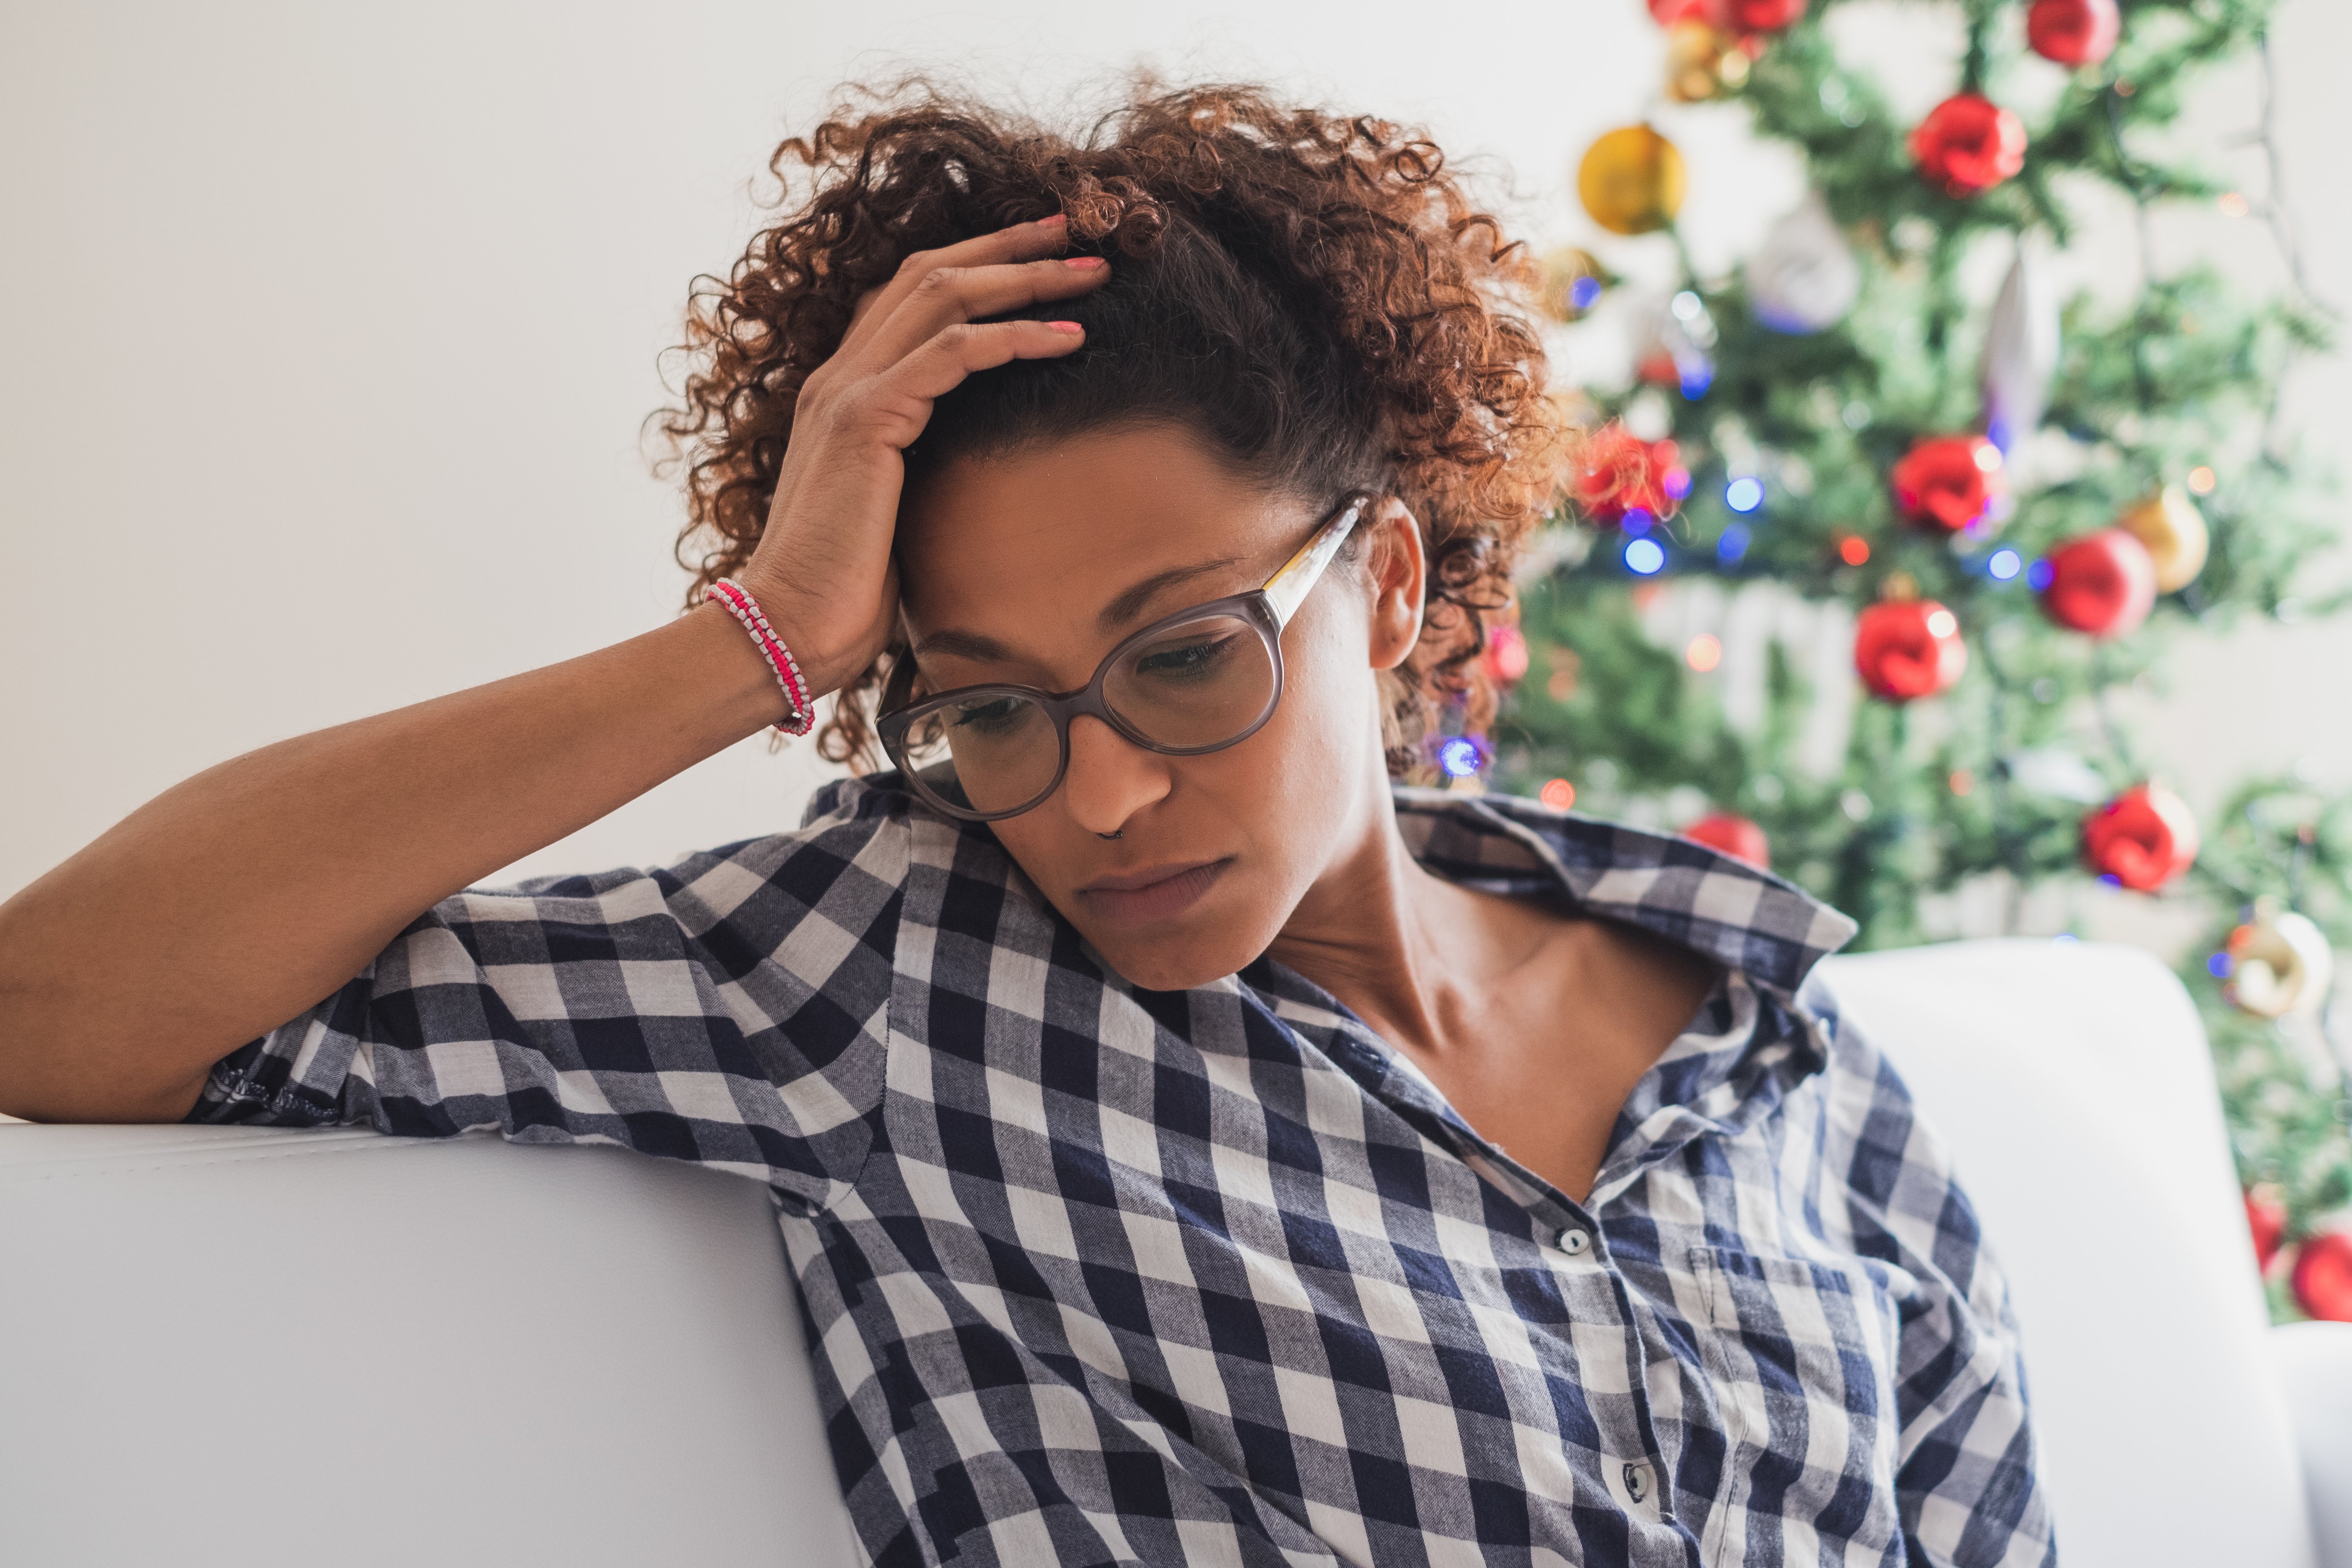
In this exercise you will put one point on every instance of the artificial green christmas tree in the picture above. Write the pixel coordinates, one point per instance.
(2009, 501)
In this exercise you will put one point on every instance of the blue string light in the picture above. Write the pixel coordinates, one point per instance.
(1458, 756)
(2221, 966)
(1744, 494)
(2004, 564)
(2038, 576)
(1733, 544)
(1584, 293)
(1636, 521)
(1643, 557)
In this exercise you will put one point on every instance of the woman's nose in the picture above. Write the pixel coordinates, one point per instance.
(1110, 778)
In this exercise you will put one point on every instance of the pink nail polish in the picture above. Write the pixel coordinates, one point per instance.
(1082, 263)
(1070, 327)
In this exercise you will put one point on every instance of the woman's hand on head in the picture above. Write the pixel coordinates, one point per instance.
(823, 568)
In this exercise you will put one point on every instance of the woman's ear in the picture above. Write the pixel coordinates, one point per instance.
(1397, 566)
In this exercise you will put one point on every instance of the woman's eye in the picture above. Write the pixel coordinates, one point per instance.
(1183, 659)
(989, 718)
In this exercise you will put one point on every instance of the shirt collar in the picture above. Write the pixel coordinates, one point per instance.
(1745, 919)
(1750, 1042)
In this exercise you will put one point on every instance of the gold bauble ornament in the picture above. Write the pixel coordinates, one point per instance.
(1701, 62)
(2279, 963)
(2172, 528)
(1560, 297)
(1630, 181)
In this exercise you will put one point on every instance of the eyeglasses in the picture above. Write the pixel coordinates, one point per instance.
(1198, 681)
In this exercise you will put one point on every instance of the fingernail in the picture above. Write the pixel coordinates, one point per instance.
(1082, 263)
(1070, 327)
(1057, 221)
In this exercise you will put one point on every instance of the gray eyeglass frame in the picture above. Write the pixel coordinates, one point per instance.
(1266, 610)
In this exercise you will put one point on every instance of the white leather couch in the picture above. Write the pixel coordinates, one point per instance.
(260, 1348)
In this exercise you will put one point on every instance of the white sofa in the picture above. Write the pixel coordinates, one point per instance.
(258, 1348)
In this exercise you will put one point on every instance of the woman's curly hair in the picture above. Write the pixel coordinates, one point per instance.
(1315, 294)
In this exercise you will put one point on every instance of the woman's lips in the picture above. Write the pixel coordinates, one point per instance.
(1153, 893)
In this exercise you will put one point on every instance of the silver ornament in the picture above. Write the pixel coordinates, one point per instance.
(1804, 278)
(1672, 341)
(2055, 771)
(2021, 353)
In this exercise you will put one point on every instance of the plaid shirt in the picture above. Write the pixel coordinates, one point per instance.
(1096, 1274)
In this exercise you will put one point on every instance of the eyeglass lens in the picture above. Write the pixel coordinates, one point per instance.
(1191, 686)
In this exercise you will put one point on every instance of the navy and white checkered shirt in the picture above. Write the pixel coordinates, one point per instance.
(1096, 1274)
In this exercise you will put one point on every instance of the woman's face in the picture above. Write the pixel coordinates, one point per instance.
(1030, 568)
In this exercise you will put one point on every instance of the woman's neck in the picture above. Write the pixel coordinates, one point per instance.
(1533, 1023)
(1407, 951)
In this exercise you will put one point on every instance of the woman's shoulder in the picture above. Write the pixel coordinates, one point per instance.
(849, 823)
(868, 853)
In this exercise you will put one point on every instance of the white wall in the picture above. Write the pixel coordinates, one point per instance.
(326, 332)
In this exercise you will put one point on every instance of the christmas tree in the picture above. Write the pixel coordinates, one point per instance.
(1994, 509)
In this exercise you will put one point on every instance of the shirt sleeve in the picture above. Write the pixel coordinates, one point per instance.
(1968, 1479)
(730, 1010)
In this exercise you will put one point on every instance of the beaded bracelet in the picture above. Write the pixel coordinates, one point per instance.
(746, 609)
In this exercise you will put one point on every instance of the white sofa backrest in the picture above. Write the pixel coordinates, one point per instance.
(261, 1348)
(2074, 1084)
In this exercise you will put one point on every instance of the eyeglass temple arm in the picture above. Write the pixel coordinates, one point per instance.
(1289, 588)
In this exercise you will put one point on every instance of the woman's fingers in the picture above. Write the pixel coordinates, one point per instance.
(956, 352)
(946, 296)
(836, 504)
(1021, 243)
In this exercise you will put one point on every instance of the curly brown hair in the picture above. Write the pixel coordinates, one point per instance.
(1330, 308)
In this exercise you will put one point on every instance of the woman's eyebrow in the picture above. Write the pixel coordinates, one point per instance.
(1130, 604)
(966, 645)
(978, 646)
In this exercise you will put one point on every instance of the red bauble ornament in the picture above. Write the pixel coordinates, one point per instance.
(1666, 13)
(1947, 481)
(2103, 583)
(1623, 473)
(2074, 32)
(1908, 649)
(1751, 15)
(2322, 1277)
(1735, 836)
(1967, 144)
(1506, 653)
(2142, 839)
(2266, 1218)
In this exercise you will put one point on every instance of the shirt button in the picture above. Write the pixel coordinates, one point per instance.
(1637, 1482)
(1574, 1241)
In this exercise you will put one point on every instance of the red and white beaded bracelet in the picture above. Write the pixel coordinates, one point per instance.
(746, 609)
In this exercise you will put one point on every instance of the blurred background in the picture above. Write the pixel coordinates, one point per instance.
(330, 331)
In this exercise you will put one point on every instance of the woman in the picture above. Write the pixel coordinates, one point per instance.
(1190, 1147)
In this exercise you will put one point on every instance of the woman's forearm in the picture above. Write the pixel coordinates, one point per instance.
(233, 901)
(227, 905)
